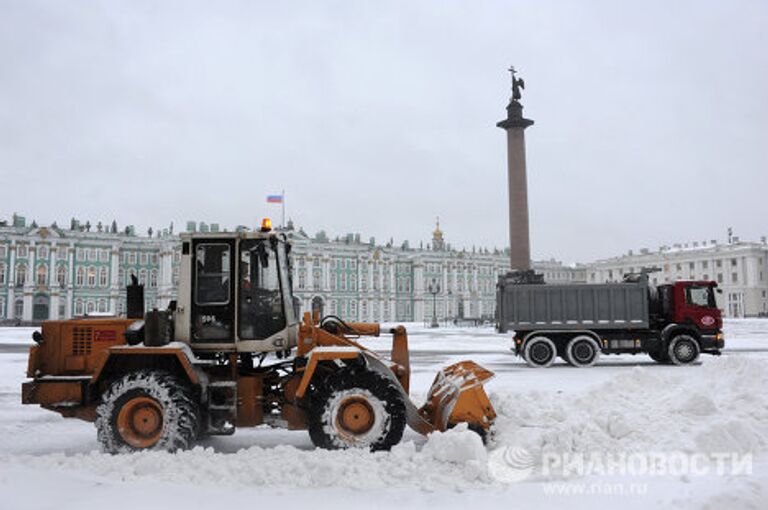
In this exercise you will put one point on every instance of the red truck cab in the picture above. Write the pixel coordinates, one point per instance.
(694, 303)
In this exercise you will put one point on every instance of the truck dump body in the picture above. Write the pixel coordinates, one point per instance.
(524, 307)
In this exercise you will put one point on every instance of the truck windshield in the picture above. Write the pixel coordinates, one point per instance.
(699, 295)
(261, 313)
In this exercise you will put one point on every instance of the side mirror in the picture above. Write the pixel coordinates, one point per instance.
(261, 251)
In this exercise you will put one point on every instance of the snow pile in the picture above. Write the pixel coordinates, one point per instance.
(644, 409)
(723, 408)
(454, 459)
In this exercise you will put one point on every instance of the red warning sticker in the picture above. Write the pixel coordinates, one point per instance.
(105, 335)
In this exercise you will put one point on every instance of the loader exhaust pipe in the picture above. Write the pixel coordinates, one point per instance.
(134, 299)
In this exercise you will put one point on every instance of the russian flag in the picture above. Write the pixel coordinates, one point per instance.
(274, 199)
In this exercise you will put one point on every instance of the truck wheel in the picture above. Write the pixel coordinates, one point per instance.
(582, 351)
(356, 408)
(683, 350)
(539, 352)
(147, 410)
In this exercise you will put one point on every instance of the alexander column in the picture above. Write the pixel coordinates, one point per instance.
(514, 125)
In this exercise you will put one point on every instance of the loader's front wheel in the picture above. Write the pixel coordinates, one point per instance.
(356, 408)
(147, 410)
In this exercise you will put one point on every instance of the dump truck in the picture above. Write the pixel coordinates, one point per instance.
(231, 352)
(672, 322)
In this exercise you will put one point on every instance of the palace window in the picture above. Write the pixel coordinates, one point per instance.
(21, 275)
(102, 305)
(61, 252)
(80, 278)
(103, 277)
(42, 274)
(104, 255)
(3, 251)
(2, 308)
(2, 274)
(144, 256)
(92, 255)
(79, 308)
(42, 252)
(302, 279)
(61, 276)
(18, 309)
(90, 307)
(22, 250)
(143, 276)
(80, 254)
(153, 278)
(91, 276)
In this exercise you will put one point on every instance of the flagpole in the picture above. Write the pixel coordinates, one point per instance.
(283, 204)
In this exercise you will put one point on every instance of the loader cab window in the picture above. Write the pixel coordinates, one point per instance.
(212, 274)
(261, 311)
(700, 296)
(212, 295)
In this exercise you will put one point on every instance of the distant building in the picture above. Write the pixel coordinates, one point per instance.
(53, 272)
(369, 282)
(739, 268)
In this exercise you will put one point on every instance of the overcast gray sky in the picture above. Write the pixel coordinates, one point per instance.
(375, 117)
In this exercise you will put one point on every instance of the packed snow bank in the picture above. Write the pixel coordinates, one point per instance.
(724, 408)
(455, 459)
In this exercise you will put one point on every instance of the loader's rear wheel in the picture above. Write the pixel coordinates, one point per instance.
(147, 410)
(356, 408)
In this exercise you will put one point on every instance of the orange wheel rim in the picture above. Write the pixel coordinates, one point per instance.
(140, 422)
(355, 416)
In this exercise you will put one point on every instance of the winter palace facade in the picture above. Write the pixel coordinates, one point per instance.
(49, 272)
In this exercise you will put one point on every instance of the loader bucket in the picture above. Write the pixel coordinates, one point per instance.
(457, 395)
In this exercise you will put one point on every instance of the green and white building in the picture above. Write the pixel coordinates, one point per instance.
(53, 272)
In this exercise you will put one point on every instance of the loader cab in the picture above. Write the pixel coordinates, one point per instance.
(235, 293)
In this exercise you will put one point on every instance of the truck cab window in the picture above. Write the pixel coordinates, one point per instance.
(261, 313)
(212, 274)
(700, 296)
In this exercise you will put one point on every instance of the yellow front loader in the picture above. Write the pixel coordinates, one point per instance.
(231, 353)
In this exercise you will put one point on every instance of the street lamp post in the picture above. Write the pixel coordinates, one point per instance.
(434, 289)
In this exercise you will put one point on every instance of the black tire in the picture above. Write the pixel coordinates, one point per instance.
(582, 351)
(172, 398)
(380, 398)
(683, 350)
(539, 352)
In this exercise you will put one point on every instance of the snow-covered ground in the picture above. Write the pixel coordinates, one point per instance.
(565, 437)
